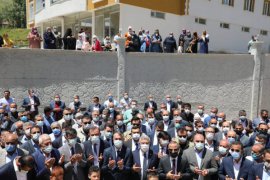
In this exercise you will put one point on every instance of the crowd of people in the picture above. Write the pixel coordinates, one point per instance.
(141, 42)
(119, 140)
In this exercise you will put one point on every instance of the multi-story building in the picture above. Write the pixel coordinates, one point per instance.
(229, 23)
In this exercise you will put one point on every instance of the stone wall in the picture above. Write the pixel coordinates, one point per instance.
(225, 81)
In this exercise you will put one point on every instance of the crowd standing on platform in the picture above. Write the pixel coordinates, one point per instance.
(114, 140)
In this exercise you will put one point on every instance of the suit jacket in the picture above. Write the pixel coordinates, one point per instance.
(147, 105)
(58, 115)
(7, 171)
(28, 146)
(152, 162)
(121, 129)
(58, 142)
(256, 170)
(171, 132)
(219, 136)
(207, 162)
(26, 102)
(187, 117)
(3, 153)
(248, 125)
(257, 121)
(226, 168)
(91, 108)
(115, 173)
(165, 166)
(42, 172)
(89, 151)
(72, 171)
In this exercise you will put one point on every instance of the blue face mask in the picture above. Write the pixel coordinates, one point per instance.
(56, 131)
(177, 126)
(10, 148)
(255, 156)
(231, 140)
(24, 118)
(235, 155)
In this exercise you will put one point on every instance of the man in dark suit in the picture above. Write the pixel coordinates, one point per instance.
(95, 106)
(119, 124)
(176, 124)
(186, 114)
(150, 104)
(32, 145)
(161, 149)
(171, 106)
(57, 107)
(21, 167)
(236, 163)
(173, 166)
(107, 134)
(247, 124)
(39, 120)
(117, 160)
(31, 103)
(144, 160)
(94, 148)
(261, 171)
(133, 143)
(46, 157)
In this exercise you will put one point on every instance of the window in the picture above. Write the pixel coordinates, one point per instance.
(228, 2)
(249, 5)
(40, 4)
(266, 8)
(159, 15)
(263, 32)
(245, 29)
(225, 25)
(200, 20)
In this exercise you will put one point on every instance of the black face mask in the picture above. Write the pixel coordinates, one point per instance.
(238, 132)
(173, 154)
(262, 132)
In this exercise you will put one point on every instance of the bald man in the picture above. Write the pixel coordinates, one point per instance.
(11, 150)
(256, 154)
(200, 159)
(150, 104)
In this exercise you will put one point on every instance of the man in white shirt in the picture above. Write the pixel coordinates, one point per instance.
(200, 112)
(6, 101)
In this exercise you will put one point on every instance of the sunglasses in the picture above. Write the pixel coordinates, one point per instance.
(235, 150)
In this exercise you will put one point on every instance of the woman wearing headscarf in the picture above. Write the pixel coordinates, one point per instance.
(69, 40)
(34, 38)
(49, 39)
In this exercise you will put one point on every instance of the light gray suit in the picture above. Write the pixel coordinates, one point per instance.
(207, 162)
(77, 170)
(3, 154)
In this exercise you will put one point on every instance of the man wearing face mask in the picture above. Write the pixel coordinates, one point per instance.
(107, 134)
(183, 140)
(46, 157)
(262, 129)
(261, 171)
(112, 111)
(117, 160)
(11, 150)
(156, 40)
(158, 115)
(57, 106)
(151, 122)
(158, 128)
(27, 134)
(166, 119)
(67, 120)
(6, 101)
(39, 121)
(231, 137)
(190, 132)
(129, 113)
(214, 124)
(235, 166)
(260, 139)
(78, 119)
(186, 114)
(263, 118)
(32, 145)
(47, 116)
(17, 128)
(178, 123)
(96, 119)
(110, 99)
(171, 106)
(212, 115)
(210, 143)
(161, 149)
(199, 127)
(144, 160)
(20, 168)
(95, 105)
(6, 122)
(135, 121)
(31, 103)
(119, 124)
(13, 112)
(200, 159)
(75, 105)
(201, 114)
(83, 131)
(222, 151)
(173, 166)
(94, 148)
(221, 117)
(150, 104)
(247, 124)
(169, 44)
(57, 138)
(133, 143)
(74, 162)
(125, 101)
(239, 129)
(256, 154)
(225, 127)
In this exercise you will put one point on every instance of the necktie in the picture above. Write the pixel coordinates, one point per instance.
(95, 150)
(72, 151)
(118, 155)
(173, 166)
(144, 165)
(162, 150)
(137, 146)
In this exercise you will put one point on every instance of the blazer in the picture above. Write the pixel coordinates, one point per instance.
(58, 115)
(91, 108)
(187, 117)
(207, 162)
(28, 146)
(226, 168)
(42, 172)
(58, 142)
(3, 153)
(116, 173)
(121, 129)
(71, 171)
(152, 162)
(89, 151)
(256, 170)
(26, 102)
(147, 105)
(7, 171)
(165, 166)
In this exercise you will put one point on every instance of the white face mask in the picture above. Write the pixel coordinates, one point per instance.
(164, 143)
(165, 118)
(27, 132)
(210, 136)
(144, 147)
(136, 136)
